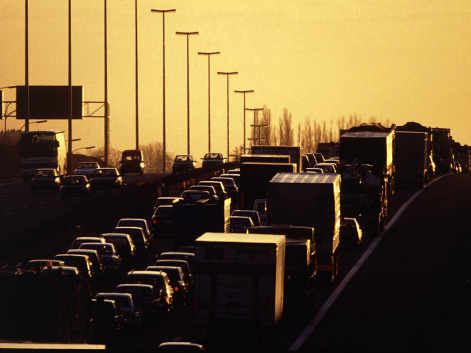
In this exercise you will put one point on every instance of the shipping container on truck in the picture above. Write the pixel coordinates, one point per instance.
(239, 278)
(254, 179)
(410, 158)
(442, 149)
(328, 149)
(294, 152)
(311, 200)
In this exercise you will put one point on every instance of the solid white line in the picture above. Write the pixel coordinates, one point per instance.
(309, 329)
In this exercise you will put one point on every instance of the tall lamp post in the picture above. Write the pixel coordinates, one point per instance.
(244, 92)
(187, 34)
(227, 73)
(69, 120)
(208, 54)
(107, 118)
(163, 12)
(136, 74)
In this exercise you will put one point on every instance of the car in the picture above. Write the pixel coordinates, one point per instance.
(335, 160)
(239, 224)
(85, 239)
(319, 157)
(125, 304)
(261, 206)
(165, 200)
(305, 163)
(177, 281)
(163, 220)
(132, 161)
(36, 265)
(218, 185)
(314, 170)
(135, 222)
(60, 271)
(312, 159)
(106, 179)
(123, 244)
(75, 185)
(183, 264)
(106, 320)
(213, 161)
(81, 262)
(234, 171)
(212, 192)
(148, 300)
(196, 196)
(45, 179)
(93, 255)
(229, 185)
(350, 232)
(179, 255)
(108, 254)
(253, 214)
(236, 178)
(139, 238)
(86, 168)
(180, 346)
(158, 279)
(327, 167)
(183, 163)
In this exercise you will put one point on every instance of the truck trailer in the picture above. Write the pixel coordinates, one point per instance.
(310, 200)
(294, 152)
(239, 278)
(410, 159)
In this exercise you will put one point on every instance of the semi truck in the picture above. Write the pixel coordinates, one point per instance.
(239, 278)
(410, 159)
(442, 149)
(42, 149)
(254, 179)
(267, 158)
(294, 152)
(310, 200)
(367, 169)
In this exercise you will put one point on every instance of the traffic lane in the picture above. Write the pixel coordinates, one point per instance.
(411, 293)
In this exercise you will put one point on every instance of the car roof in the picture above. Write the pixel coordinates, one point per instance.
(147, 273)
(133, 219)
(140, 285)
(181, 343)
(63, 268)
(116, 235)
(113, 294)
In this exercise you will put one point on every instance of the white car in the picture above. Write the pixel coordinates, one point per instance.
(87, 168)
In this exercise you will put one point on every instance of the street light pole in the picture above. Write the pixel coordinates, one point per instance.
(244, 93)
(255, 124)
(69, 122)
(137, 74)
(107, 122)
(227, 78)
(187, 34)
(163, 12)
(208, 54)
(27, 67)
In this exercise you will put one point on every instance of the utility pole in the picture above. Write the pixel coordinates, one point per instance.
(227, 78)
(244, 92)
(208, 54)
(163, 12)
(27, 67)
(187, 34)
(69, 122)
(107, 122)
(136, 74)
(256, 140)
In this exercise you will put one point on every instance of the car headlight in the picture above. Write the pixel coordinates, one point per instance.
(142, 165)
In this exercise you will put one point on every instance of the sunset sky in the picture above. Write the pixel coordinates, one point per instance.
(397, 60)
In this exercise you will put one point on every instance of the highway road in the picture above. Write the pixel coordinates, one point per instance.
(409, 294)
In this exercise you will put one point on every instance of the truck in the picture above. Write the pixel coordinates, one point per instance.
(300, 257)
(295, 152)
(442, 149)
(410, 159)
(42, 149)
(367, 169)
(310, 200)
(267, 158)
(328, 149)
(254, 178)
(239, 279)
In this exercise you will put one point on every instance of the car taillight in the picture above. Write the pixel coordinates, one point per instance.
(154, 221)
(175, 289)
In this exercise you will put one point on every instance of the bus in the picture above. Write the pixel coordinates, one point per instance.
(42, 149)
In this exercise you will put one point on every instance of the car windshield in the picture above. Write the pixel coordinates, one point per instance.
(193, 195)
(131, 223)
(88, 165)
(131, 155)
(183, 158)
(212, 156)
(173, 273)
(103, 249)
(136, 233)
(207, 188)
(75, 180)
(164, 211)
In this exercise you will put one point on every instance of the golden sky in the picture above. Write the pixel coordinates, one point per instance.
(402, 60)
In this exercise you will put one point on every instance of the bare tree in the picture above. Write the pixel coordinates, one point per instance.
(286, 132)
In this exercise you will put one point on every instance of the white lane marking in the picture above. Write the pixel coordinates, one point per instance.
(309, 329)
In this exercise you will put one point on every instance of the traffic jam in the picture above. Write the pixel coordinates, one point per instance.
(240, 248)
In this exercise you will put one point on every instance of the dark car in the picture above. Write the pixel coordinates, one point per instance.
(158, 279)
(319, 157)
(81, 262)
(85, 239)
(218, 185)
(165, 200)
(183, 264)
(138, 237)
(183, 163)
(239, 224)
(132, 161)
(236, 177)
(75, 185)
(45, 179)
(312, 159)
(213, 161)
(210, 189)
(123, 244)
(196, 196)
(163, 220)
(124, 301)
(36, 265)
(106, 179)
(229, 184)
(93, 255)
(108, 254)
(253, 214)
(135, 222)
(177, 281)
(179, 255)
(148, 300)
(106, 320)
